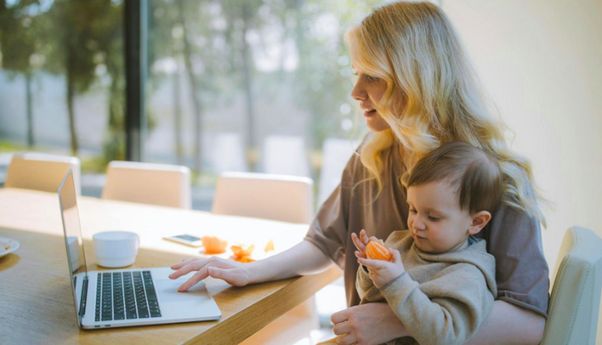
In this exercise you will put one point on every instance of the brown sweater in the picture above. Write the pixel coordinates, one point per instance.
(441, 298)
(513, 238)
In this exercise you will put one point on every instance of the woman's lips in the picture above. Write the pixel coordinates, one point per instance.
(369, 113)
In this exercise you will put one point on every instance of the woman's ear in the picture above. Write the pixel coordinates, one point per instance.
(479, 221)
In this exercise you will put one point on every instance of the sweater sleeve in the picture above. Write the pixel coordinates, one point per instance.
(365, 287)
(445, 310)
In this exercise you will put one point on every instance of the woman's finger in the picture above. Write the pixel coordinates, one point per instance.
(182, 263)
(194, 265)
(339, 316)
(197, 277)
(341, 328)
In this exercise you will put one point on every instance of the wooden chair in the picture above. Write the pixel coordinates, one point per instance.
(573, 312)
(41, 171)
(277, 197)
(148, 183)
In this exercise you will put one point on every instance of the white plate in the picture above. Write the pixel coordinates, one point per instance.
(7, 246)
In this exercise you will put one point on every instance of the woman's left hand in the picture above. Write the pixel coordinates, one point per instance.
(367, 324)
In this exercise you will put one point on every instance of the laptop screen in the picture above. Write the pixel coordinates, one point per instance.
(76, 258)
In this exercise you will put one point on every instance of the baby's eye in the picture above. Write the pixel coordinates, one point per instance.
(412, 211)
(433, 218)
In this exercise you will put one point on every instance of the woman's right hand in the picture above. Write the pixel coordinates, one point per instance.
(234, 273)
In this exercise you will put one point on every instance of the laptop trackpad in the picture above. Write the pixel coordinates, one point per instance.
(168, 289)
(195, 302)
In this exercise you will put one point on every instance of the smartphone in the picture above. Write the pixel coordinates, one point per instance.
(185, 239)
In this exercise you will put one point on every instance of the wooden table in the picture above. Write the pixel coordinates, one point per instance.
(36, 305)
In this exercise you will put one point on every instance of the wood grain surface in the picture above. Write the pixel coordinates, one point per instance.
(36, 304)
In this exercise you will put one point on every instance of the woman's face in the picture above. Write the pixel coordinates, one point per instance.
(367, 91)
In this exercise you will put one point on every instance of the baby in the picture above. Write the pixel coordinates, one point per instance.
(440, 280)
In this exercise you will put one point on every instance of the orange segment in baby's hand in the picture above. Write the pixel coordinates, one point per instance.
(375, 249)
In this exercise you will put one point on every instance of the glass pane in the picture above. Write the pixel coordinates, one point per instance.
(249, 85)
(61, 81)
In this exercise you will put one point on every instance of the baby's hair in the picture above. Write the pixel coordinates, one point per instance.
(476, 175)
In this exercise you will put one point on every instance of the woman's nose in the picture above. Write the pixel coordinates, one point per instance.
(358, 93)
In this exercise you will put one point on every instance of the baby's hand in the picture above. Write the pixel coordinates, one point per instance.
(382, 272)
(360, 243)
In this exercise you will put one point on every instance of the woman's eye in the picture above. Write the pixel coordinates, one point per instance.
(412, 211)
(371, 78)
(366, 77)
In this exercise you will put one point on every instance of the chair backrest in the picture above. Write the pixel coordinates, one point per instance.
(41, 171)
(277, 197)
(335, 155)
(573, 312)
(148, 183)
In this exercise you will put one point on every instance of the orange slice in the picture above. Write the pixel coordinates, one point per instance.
(377, 250)
(214, 244)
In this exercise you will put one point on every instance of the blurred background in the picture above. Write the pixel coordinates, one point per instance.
(244, 85)
(263, 85)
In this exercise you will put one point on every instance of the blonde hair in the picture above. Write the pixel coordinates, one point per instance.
(432, 95)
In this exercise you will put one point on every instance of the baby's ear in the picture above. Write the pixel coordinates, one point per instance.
(479, 221)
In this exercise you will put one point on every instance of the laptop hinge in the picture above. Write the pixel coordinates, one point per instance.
(84, 297)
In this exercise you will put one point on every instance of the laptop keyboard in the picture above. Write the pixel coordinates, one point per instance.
(126, 295)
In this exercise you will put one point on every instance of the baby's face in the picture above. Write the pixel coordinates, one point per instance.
(435, 220)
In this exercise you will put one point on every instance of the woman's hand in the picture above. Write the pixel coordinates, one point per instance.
(382, 272)
(234, 273)
(367, 324)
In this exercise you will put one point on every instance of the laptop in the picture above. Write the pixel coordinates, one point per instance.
(130, 297)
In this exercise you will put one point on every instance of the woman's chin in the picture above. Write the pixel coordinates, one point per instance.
(376, 123)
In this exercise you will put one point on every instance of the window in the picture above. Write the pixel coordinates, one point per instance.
(232, 84)
(61, 81)
(249, 85)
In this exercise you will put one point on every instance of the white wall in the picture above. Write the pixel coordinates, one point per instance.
(541, 63)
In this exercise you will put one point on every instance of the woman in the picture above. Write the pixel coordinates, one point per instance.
(417, 91)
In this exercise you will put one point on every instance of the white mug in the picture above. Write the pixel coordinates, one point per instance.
(116, 248)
